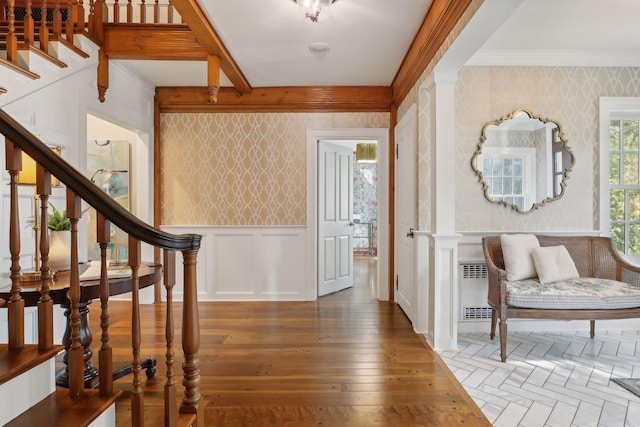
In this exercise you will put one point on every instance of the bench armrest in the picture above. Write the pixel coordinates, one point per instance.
(496, 276)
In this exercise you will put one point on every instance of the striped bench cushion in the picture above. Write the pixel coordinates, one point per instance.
(583, 293)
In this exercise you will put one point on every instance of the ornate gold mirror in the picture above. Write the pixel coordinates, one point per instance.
(522, 161)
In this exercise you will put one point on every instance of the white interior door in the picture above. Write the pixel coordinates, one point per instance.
(406, 139)
(335, 218)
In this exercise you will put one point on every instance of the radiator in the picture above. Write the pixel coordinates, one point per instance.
(473, 291)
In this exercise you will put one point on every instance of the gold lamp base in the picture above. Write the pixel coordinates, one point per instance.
(30, 276)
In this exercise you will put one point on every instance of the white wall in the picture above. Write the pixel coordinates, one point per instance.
(58, 114)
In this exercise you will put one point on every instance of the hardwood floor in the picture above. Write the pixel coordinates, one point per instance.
(343, 360)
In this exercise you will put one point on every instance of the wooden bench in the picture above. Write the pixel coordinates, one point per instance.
(594, 258)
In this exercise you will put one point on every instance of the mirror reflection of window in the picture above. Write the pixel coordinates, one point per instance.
(508, 173)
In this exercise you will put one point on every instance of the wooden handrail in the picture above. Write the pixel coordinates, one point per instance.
(90, 193)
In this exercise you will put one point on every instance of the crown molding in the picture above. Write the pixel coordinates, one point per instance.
(560, 58)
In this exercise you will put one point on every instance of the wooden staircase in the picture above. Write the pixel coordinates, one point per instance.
(34, 54)
(96, 31)
(27, 370)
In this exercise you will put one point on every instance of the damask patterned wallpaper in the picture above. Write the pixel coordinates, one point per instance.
(241, 168)
(420, 96)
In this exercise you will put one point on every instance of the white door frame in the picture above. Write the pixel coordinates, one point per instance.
(382, 136)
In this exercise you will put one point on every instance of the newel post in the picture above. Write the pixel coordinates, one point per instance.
(191, 337)
(97, 20)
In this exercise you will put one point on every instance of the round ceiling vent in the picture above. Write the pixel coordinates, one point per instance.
(319, 47)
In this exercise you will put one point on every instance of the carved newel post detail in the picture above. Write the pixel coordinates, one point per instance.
(213, 77)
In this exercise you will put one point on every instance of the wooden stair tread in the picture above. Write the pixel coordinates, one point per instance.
(154, 416)
(52, 38)
(19, 69)
(153, 408)
(41, 53)
(20, 36)
(69, 45)
(16, 362)
(58, 409)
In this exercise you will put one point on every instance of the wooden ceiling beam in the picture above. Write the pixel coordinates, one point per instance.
(277, 99)
(441, 18)
(198, 21)
(152, 41)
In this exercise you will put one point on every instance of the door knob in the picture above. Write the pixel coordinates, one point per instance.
(411, 233)
(351, 224)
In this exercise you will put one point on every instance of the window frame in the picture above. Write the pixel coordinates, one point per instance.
(612, 108)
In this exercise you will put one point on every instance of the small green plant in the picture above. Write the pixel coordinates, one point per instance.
(58, 221)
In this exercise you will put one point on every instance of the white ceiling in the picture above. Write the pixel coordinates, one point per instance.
(565, 32)
(368, 39)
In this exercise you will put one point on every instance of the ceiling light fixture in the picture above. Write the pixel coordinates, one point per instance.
(366, 153)
(312, 8)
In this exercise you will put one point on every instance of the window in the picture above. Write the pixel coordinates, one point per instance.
(624, 183)
(619, 190)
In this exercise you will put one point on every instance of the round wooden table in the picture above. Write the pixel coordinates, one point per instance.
(89, 290)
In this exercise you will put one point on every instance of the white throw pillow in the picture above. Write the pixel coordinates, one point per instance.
(516, 251)
(553, 264)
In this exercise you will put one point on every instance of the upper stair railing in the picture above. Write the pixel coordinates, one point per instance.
(36, 22)
(79, 188)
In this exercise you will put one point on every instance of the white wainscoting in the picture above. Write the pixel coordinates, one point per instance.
(248, 263)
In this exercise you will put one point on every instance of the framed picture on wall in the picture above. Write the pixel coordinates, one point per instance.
(108, 165)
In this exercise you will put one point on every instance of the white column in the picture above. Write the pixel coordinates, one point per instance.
(442, 333)
(443, 162)
(442, 318)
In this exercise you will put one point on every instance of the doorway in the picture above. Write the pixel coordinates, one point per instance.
(381, 137)
(335, 216)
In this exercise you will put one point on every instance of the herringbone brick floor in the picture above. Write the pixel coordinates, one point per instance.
(556, 379)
